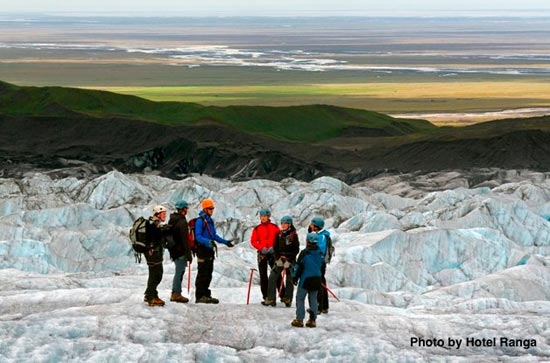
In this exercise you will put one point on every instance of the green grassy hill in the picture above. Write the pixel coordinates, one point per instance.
(311, 123)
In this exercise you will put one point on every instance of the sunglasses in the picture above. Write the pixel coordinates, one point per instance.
(211, 208)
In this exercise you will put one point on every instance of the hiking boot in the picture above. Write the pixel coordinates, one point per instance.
(324, 311)
(156, 302)
(145, 298)
(311, 323)
(179, 298)
(297, 323)
(287, 301)
(207, 300)
(269, 302)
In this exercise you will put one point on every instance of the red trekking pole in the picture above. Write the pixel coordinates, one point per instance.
(249, 285)
(330, 292)
(188, 277)
(283, 275)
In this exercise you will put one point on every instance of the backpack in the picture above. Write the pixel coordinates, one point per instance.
(191, 236)
(138, 237)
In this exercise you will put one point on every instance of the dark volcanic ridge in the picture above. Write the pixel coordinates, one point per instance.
(57, 139)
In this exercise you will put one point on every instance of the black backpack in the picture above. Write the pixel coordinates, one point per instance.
(138, 237)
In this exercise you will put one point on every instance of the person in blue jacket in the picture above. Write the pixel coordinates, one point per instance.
(325, 245)
(206, 238)
(307, 276)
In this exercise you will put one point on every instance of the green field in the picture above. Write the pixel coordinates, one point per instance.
(381, 97)
(312, 123)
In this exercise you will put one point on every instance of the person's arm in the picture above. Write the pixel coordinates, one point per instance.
(254, 240)
(185, 240)
(276, 253)
(298, 267)
(295, 246)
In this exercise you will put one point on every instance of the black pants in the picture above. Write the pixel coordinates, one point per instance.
(322, 295)
(154, 261)
(275, 282)
(205, 267)
(263, 262)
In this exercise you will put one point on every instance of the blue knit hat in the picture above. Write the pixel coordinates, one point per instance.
(182, 204)
(265, 212)
(318, 221)
(286, 219)
(312, 237)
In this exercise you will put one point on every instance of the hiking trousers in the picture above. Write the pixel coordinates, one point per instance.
(323, 294)
(301, 302)
(205, 268)
(263, 262)
(181, 264)
(275, 283)
(154, 261)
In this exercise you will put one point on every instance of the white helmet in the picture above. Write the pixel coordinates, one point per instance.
(159, 209)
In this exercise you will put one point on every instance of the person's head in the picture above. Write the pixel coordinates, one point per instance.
(182, 207)
(312, 239)
(159, 213)
(286, 222)
(317, 224)
(207, 206)
(265, 215)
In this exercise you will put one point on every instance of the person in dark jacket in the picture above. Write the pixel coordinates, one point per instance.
(307, 276)
(180, 253)
(206, 238)
(325, 245)
(262, 239)
(285, 249)
(154, 255)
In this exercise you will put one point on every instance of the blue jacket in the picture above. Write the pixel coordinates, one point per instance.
(322, 241)
(204, 234)
(308, 268)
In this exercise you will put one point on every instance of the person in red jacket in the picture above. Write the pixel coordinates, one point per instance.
(262, 239)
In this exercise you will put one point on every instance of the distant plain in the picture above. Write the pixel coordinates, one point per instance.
(419, 66)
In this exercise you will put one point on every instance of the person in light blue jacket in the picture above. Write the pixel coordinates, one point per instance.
(325, 246)
(206, 238)
(307, 276)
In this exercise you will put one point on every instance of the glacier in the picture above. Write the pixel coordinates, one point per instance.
(437, 255)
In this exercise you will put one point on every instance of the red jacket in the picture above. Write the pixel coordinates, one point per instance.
(264, 235)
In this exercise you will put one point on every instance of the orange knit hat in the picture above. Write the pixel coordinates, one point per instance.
(207, 203)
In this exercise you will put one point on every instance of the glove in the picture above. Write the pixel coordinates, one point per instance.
(279, 263)
(269, 250)
(229, 244)
(264, 251)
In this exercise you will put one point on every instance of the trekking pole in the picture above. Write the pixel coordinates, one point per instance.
(188, 277)
(249, 285)
(334, 296)
(283, 276)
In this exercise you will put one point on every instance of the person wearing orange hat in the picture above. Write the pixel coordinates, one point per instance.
(206, 238)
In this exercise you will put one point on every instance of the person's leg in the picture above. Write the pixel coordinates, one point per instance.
(300, 303)
(322, 295)
(312, 297)
(201, 281)
(262, 269)
(289, 288)
(272, 284)
(208, 278)
(181, 264)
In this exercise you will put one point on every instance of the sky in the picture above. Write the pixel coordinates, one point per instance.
(280, 7)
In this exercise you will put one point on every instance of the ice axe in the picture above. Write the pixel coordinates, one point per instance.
(330, 292)
(249, 285)
(283, 275)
